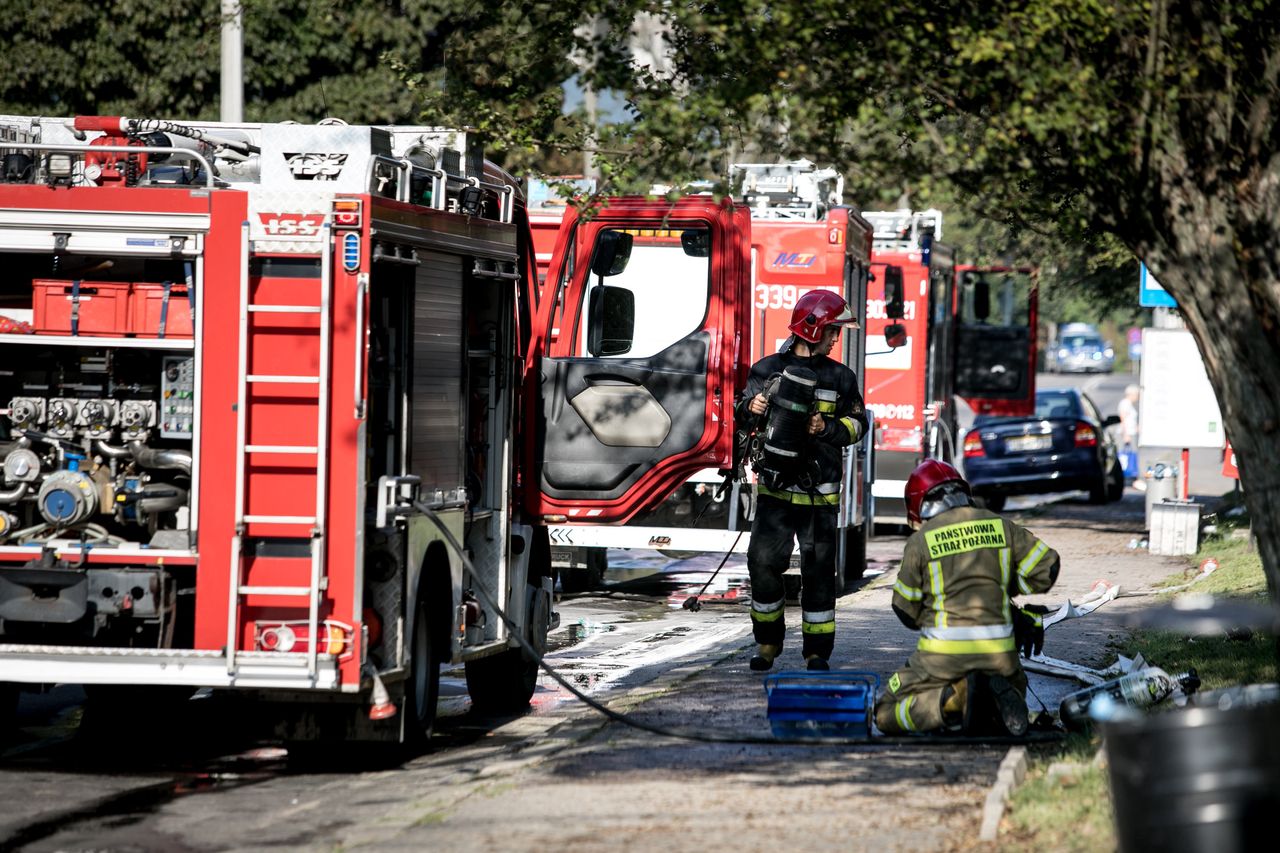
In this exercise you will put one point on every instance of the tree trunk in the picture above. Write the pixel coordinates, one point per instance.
(1224, 271)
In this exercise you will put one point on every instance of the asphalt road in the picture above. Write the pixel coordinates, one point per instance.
(152, 774)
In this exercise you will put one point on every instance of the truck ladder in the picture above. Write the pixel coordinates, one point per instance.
(245, 451)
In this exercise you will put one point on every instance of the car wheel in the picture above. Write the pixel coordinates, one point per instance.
(1115, 484)
(1098, 493)
(995, 503)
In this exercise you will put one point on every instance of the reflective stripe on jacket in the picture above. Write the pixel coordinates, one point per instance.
(957, 575)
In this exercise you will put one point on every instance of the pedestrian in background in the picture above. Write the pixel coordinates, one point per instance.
(1128, 411)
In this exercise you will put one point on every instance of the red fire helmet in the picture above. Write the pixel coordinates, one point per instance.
(928, 475)
(816, 310)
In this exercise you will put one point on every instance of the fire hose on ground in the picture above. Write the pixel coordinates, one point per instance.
(688, 734)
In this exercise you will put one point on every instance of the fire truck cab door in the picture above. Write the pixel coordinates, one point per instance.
(996, 339)
(644, 314)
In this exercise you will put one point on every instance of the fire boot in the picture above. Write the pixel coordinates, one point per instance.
(816, 664)
(1011, 707)
(764, 660)
(955, 704)
(995, 707)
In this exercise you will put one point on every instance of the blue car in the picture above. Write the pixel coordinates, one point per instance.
(1063, 447)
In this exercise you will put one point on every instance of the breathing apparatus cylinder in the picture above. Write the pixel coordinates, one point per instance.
(781, 461)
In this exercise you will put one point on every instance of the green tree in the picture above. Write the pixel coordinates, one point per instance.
(303, 60)
(1148, 125)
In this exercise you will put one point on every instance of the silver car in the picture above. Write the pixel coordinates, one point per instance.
(1082, 353)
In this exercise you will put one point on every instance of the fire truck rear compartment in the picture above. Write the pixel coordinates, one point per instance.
(95, 444)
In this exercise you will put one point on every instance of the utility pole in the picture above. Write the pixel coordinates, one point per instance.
(589, 169)
(232, 101)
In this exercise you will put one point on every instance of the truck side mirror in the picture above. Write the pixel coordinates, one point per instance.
(696, 242)
(895, 335)
(893, 293)
(613, 250)
(611, 313)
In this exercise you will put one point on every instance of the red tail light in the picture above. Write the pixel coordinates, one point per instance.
(1086, 436)
(973, 445)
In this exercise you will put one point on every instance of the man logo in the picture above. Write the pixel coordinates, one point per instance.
(794, 260)
(660, 541)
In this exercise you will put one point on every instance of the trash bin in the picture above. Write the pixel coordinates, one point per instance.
(1162, 485)
(1175, 527)
(1201, 778)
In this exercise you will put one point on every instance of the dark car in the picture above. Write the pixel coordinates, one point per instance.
(1063, 447)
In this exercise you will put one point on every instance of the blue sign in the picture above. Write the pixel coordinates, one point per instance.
(1151, 294)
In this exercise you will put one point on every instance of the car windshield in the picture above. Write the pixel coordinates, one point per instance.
(1080, 341)
(1049, 404)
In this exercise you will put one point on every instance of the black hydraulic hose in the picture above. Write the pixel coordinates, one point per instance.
(692, 602)
(685, 734)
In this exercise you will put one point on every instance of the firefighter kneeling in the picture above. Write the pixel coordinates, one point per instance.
(959, 572)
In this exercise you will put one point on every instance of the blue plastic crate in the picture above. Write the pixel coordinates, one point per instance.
(836, 704)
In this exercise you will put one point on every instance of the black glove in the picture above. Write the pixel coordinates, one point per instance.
(1028, 628)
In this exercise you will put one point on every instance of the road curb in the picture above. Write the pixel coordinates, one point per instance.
(1010, 774)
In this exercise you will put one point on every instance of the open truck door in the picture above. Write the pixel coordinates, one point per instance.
(643, 349)
(996, 338)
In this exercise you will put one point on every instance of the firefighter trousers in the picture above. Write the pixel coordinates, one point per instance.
(912, 699)
(778, 524)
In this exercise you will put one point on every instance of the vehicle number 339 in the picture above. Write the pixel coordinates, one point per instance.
(782, 296)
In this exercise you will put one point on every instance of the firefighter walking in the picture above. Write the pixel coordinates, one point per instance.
(803, 503)
(960, 570)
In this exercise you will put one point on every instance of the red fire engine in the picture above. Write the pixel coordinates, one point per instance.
(802, 238)
(264, 383)
(953, 345)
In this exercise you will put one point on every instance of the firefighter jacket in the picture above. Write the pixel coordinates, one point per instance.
(837, 400)
(958, 573)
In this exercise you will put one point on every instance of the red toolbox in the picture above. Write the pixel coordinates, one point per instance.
(75, 307)
(161, 310)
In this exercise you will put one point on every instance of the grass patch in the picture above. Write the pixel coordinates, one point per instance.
(1070, 811)
(1219, 661)
(1239, 573)
(1073, 810)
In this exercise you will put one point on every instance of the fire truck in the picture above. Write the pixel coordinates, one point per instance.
(802, 238)
(265, 385)
(546, 208)
(962, 340)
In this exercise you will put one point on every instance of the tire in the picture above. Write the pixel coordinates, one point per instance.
(854, 562)
(995, 503)
(8, 710)
(422, 687)
(586, 579)
(1115, 484)
(1098, 493)
(504, 683)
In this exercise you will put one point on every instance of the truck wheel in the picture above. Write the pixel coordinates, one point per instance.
(589, 578)
(422, 688)
(853, 563)
(8, 710)
(504, 683)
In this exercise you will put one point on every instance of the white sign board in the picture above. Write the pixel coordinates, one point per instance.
(1178, 407)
